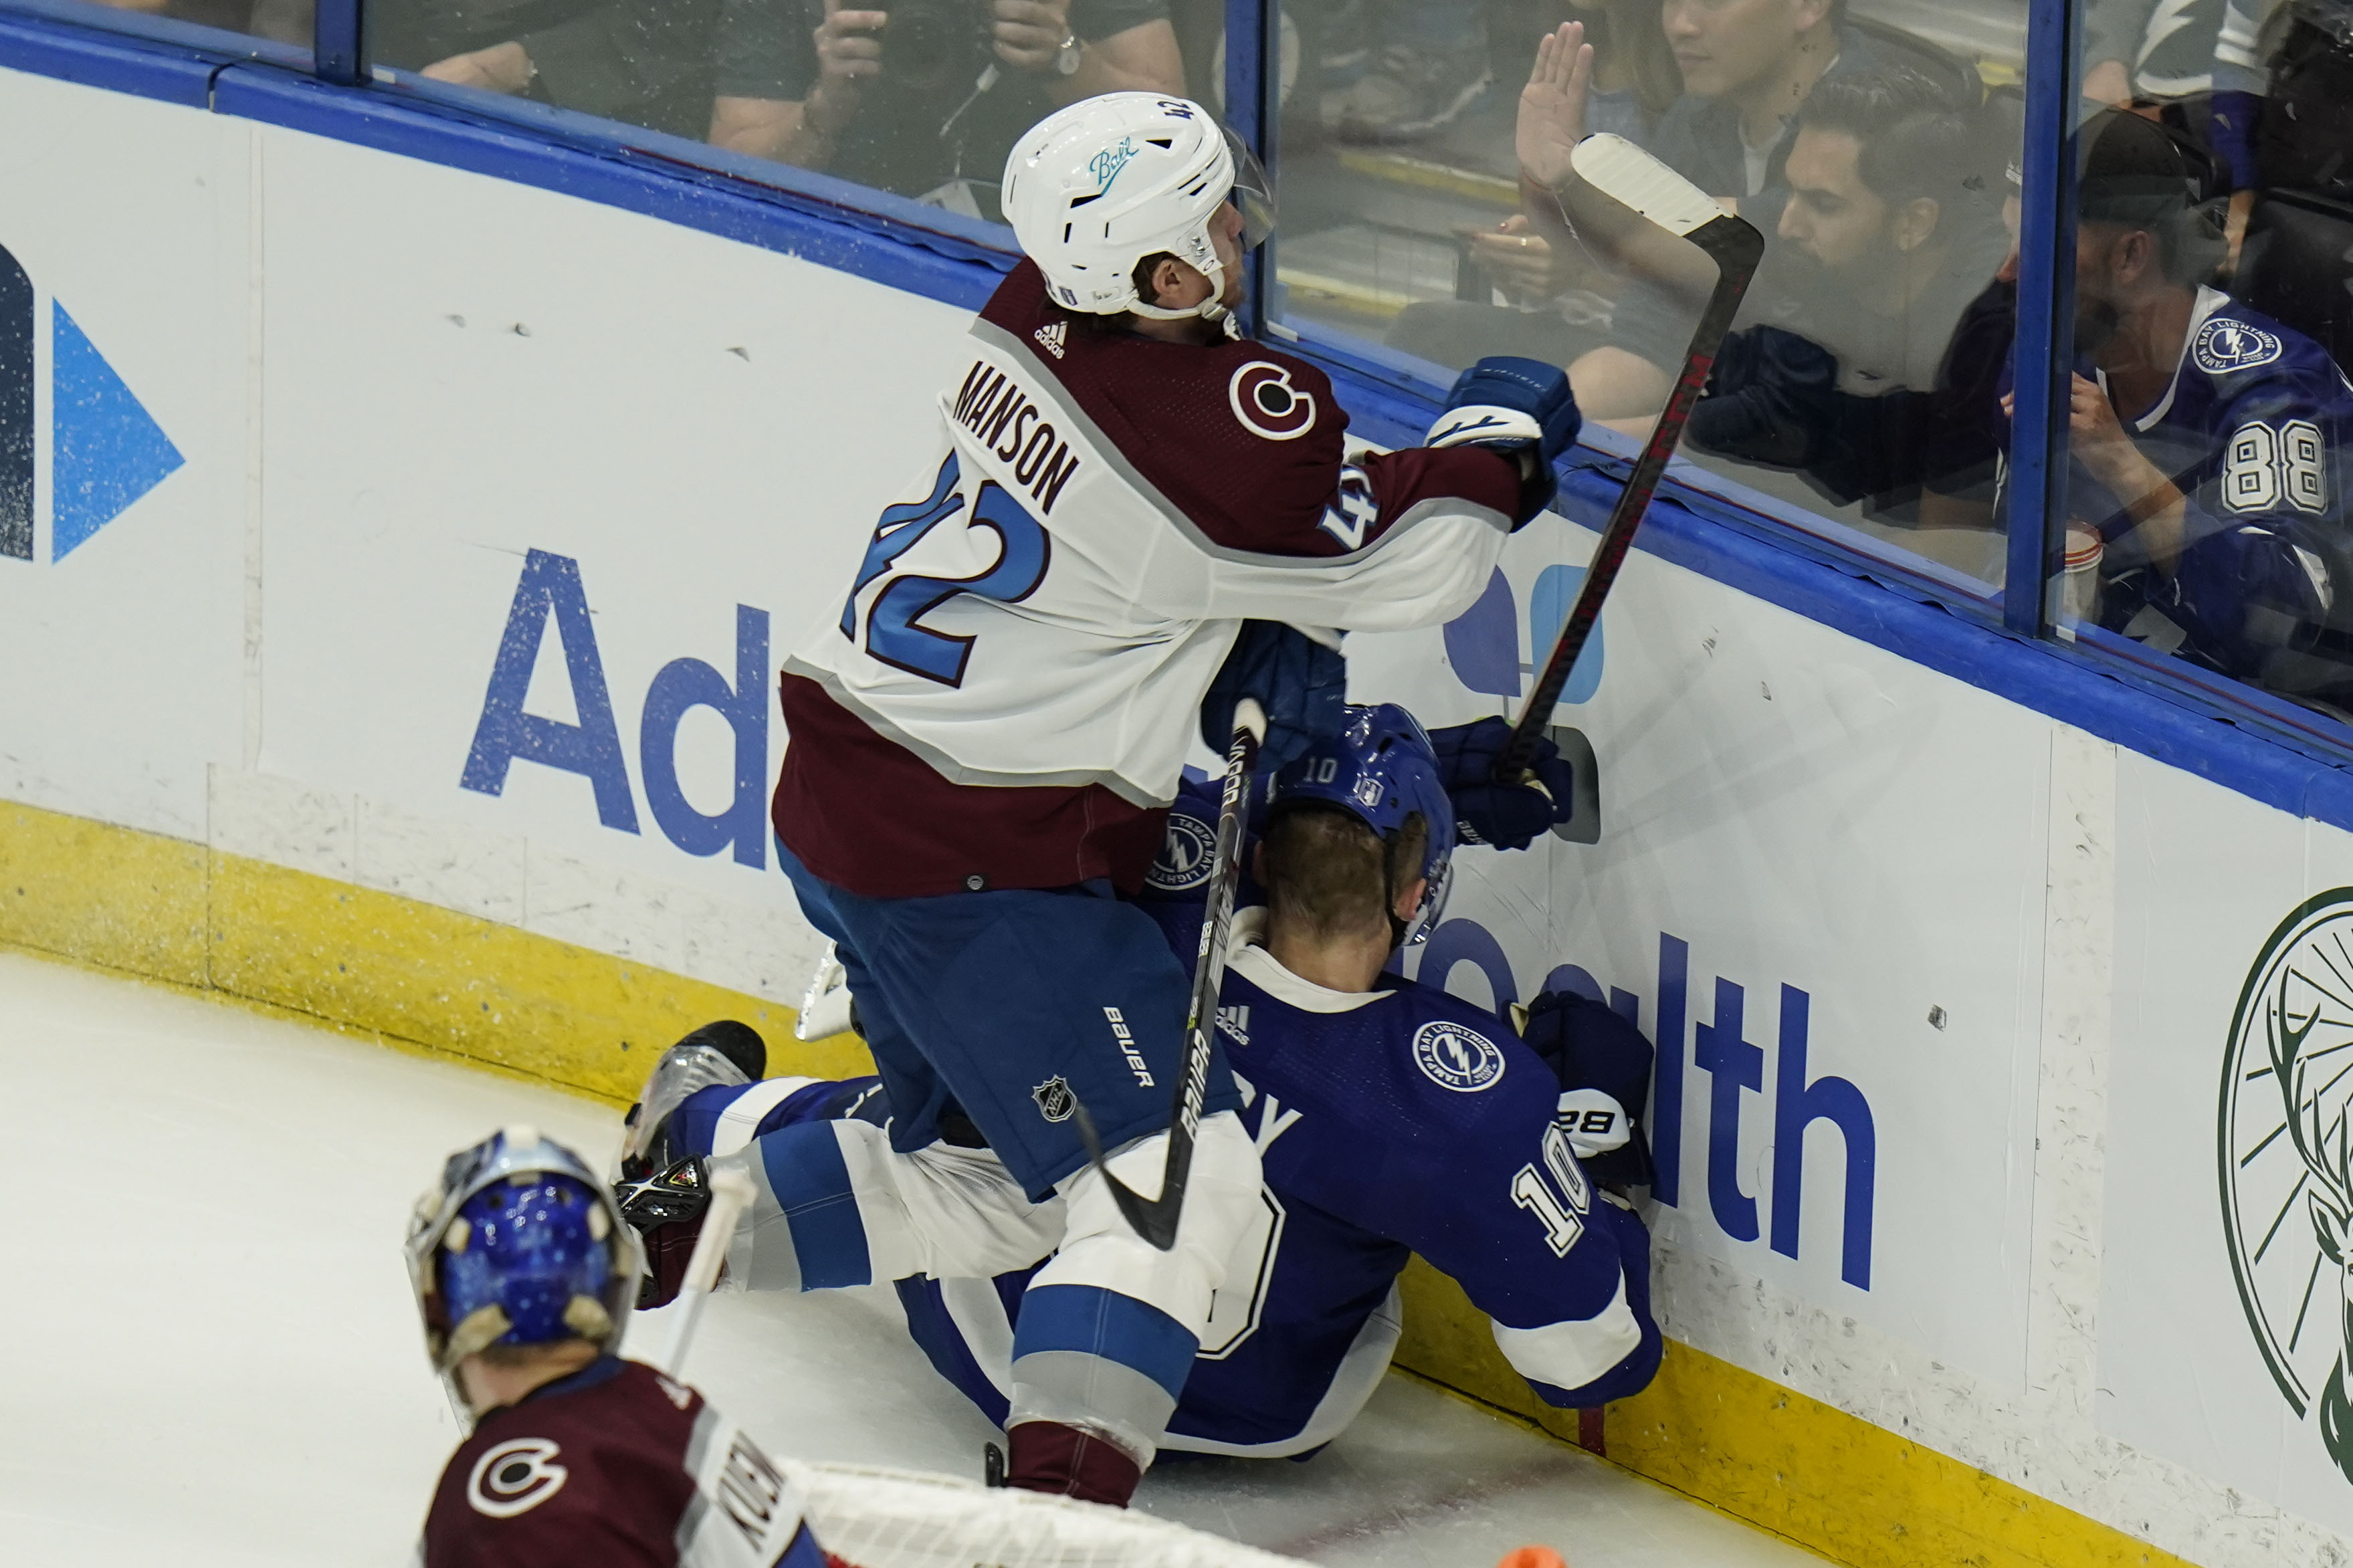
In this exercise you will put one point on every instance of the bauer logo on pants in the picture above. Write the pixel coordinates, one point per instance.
(2286, 1157)
(1452, 1056)
(1055, 1100)
(515, 1476)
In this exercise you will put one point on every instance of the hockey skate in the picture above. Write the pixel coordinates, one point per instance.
(661, 1192)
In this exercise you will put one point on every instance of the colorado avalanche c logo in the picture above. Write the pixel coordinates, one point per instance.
(1267, 405)
(515, 1476)
(1452, 1056)
(2225, 346)
(1185, 855)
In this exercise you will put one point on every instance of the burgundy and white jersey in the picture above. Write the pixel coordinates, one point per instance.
(1005, 693)
(617, 1466)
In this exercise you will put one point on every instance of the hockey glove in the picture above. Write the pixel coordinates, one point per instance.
(1521, 408)
(1300, 683)
(1604, 1066)
(1508, 816)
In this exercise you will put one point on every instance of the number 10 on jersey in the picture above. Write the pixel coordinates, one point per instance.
(892, 630)
(1561, 1204)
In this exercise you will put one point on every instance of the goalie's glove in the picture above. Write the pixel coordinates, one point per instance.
(1604, 1066)
(1522, 408)
(1300, 683)
(1506, 816)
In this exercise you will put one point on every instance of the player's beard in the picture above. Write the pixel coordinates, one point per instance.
(2096, 321)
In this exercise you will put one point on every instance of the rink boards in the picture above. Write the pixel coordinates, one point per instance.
(411, 554)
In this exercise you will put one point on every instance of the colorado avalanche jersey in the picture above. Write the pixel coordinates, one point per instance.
(617, 1466)
(1004, 696)
(2254, 431)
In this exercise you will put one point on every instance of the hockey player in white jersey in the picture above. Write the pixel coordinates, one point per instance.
(985, 736)
(1391, 1118)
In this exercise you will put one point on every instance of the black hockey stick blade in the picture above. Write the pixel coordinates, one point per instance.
(1635, 180)
(1154, 1219)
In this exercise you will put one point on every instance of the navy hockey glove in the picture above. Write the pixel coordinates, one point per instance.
(1508, 816)
(1604, 1066)
(1300, 683)
(1515, 406)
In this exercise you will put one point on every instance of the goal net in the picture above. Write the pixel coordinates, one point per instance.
(875, 1518)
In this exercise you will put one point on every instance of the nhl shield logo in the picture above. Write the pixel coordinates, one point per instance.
(1055, 1100)
(2284, 1154)
(1455, 1058)
(1186, 852)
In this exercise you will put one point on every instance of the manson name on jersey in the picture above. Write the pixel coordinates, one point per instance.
(1017, 430)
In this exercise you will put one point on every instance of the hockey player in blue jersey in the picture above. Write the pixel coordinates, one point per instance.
(1390, 1118)
(2207, 441)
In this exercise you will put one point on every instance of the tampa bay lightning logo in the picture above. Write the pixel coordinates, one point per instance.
(1185, 855)
(1455, 1058)
(1267, 404)
(2225, 346)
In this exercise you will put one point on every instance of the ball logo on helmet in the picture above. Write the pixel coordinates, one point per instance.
(1267, 405)
(1106, 165)
(1452, 1056)
(515, 1476)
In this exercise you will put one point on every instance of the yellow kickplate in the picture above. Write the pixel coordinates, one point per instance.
(1857, 1493)
(457, 983)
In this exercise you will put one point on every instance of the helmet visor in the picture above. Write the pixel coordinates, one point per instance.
(1253, 193)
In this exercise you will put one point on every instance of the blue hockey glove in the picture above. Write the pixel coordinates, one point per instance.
(1604, 1065)
(1300, 683)
(1514, 405)
(1508, 816)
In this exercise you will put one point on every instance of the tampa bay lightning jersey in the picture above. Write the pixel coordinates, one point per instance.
(2255, 431)
(1390, 1122)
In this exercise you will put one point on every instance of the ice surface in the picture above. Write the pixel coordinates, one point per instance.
(211, 1356)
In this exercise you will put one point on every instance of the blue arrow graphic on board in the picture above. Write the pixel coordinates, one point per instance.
(106, 450)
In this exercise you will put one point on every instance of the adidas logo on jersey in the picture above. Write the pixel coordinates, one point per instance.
(1235, 1021)
(1050, 337)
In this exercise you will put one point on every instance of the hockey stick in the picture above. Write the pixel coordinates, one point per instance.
(1635, 180)
(730, 1195)
(1154, 1219)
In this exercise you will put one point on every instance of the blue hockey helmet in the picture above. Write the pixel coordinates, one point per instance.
(519, 1244)
(1381, 769)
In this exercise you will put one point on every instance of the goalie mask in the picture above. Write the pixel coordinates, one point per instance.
(1096, 189)
(518, 1244)
(1380, 769)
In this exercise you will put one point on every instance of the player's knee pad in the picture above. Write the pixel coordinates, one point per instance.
(1099, 1249)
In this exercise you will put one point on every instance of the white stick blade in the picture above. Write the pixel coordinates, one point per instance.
(1632, 178)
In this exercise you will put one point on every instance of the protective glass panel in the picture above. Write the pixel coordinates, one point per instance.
(922, 99)
(285, 24)
(1873, 144)
(2208, 416)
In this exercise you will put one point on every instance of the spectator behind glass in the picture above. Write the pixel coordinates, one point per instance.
(926, 98)
(1747, 67)
(1547, 296)
(2208, 442)
(659, 63)
(1882, 244)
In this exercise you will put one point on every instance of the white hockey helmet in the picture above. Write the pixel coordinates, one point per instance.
(1095, 188)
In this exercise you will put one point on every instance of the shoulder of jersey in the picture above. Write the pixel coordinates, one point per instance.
(1463, 1048)
(527, 1457)
(2236, 341)
(1270, 399)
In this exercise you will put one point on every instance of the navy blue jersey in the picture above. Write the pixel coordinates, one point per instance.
(2254, 431)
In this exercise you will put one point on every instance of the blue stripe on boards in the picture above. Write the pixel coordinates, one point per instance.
(1096, 1321)
(812, 1185)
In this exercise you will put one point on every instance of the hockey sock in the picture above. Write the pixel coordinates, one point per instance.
(1048, 1457)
